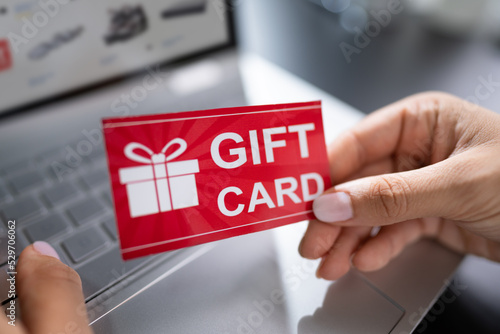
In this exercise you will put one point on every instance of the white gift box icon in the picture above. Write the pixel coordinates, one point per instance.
(160, 185)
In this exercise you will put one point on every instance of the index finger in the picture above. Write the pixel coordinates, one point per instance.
(395, 129)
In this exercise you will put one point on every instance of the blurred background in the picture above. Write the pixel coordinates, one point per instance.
(371, 53)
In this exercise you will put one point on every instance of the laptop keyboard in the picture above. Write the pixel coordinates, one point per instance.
(73, 213)
(72, 209)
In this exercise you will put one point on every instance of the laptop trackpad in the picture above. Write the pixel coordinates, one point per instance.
(352, 306)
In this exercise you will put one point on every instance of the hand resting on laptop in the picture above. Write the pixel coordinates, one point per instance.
(426, 166)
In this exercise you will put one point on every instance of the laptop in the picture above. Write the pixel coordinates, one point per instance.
(63, 67)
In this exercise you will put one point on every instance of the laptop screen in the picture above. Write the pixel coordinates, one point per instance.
(52, 47)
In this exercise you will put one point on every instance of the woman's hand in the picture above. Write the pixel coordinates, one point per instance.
(49, 295)
(426, 166)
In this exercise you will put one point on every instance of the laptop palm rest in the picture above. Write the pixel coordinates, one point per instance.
(352, 306)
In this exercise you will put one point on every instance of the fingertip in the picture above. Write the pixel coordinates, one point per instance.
(318, 239)
(306, 253)
(368, 261)
(332, 269)
(318, 274)
(333, 207)
(309, 255)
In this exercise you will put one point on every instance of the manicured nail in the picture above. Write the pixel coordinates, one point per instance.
(44, 248)
(333, 207)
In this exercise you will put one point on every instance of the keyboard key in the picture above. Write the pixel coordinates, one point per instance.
(95, 178)
(23, 209)
(25, 181)
(62, 255)
(57, 154)
(62, 163)
(110, 227)
(60, 193)
(3, 243)
(84, 211)
(17, 167)
(4, 284)
(60, 172)
(97, 153)
(4, 193)
(84, 243)
(106, 194)
(105, 271)
(20, 244)
(46, 228)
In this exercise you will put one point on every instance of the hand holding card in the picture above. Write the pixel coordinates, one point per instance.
(184, 179)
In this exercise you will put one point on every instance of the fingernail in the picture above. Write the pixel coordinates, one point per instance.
(351, 263)
(44, 248)
(319, 266)
(333, 207)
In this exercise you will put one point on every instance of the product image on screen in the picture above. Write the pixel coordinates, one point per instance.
(49, 51)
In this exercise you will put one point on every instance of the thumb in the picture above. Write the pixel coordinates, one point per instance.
(432, 191)
(50, 293)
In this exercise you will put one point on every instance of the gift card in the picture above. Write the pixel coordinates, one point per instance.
(183, 179)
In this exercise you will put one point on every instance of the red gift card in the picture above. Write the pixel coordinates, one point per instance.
(188, 178)
(5, 56)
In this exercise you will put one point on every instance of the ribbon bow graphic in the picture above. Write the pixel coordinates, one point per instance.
(155, 158)
(149, 190)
